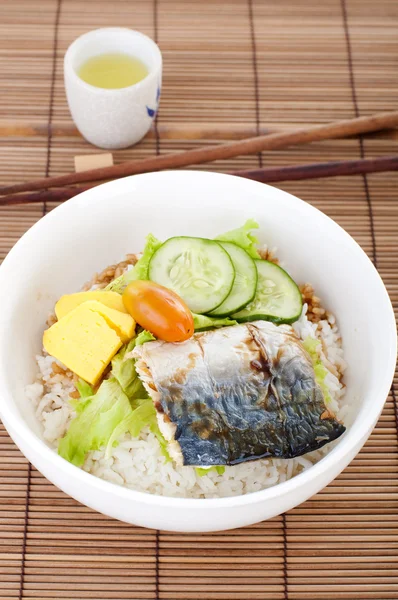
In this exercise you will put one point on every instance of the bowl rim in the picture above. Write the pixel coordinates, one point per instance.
(357, 434)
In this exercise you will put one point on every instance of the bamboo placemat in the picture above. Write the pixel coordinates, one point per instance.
(231, 68)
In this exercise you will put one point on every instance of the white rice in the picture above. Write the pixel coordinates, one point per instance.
(138, 463)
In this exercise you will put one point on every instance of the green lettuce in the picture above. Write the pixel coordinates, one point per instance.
(143, 414)
(202, 472)
(86, 392)
(140, 270)
(120, 405)
(120, 283)
(243, 237)
(123, 369)
(312, 345)
(143, 337)
(202, 322)
(95, 422)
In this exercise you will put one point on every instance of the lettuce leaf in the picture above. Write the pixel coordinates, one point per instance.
(140, 270)
(202, 322)
(94, 424)
(143, 337)
(123, 369)
(120, 283)
(202, 472)
(143, 414)
(86, 392)
(312, 345)
(243, 237)
(120, 405)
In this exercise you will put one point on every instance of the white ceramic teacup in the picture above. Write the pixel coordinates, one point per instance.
(113, 118)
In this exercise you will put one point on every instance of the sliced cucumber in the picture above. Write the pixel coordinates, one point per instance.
(245, 284)
(198, 270)
(277, 298)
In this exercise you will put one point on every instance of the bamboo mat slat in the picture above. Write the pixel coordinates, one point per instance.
(232, 68)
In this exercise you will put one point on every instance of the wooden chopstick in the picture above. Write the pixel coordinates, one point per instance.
(171, 131)
(165, 131)
(340, 168)
(274, 141)
(264, 175)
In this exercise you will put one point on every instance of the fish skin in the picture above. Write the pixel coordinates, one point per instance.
(240, 393)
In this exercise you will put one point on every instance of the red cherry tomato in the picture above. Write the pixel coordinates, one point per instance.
(159, 310)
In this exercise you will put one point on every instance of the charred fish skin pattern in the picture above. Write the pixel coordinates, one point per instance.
(305, 422)
(242, 393)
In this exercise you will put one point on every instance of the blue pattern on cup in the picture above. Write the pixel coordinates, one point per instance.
(152, 111)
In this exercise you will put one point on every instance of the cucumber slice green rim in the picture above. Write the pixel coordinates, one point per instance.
(277, 299)
(200, 271)
(245, 284)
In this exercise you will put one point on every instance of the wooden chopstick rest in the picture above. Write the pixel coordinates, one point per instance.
(86, 162)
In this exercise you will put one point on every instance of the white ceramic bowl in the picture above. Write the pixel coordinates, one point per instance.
(97, 228)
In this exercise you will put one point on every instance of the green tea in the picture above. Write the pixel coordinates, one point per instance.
(113, 71)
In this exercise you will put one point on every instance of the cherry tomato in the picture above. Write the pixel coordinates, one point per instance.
(159, 310)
